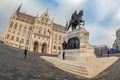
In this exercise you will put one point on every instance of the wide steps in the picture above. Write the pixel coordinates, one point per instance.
(72, 68)
(75, 71)
(87, 69)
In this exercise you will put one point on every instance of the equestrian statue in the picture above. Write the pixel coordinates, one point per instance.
(76, 20)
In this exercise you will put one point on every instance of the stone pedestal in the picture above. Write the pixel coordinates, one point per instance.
(82, 60)
(85, 52)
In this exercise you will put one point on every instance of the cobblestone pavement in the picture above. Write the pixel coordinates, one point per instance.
(13, 66)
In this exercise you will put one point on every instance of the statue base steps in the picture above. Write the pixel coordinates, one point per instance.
(88, 69)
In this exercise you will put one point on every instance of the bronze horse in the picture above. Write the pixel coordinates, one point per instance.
(76, 20)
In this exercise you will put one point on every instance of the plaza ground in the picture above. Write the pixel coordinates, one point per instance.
(13, 66)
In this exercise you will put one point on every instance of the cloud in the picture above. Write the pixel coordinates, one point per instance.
(99, 35)
(102, 16)
(66, 8)
(105, 7)
(116, 18)
(106, 21)
(50, 2)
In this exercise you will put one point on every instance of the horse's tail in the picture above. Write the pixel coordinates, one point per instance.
(68, 27)
(70, 22)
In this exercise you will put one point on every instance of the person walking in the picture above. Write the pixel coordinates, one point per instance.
(25, 53)
(63, 55)
(108, 53)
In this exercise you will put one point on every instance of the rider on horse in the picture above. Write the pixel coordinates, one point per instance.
(74, 15)
(76, 19)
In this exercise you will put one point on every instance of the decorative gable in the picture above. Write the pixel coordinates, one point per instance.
(44, 19)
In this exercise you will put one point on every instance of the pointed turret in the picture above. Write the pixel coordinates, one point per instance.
(18, 10)
(47, 9)
(45, 14)
(66, 25)
(37, 14)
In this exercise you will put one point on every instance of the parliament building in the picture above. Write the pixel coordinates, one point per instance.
(35, 33)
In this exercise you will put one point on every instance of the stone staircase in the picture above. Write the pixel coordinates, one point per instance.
(86, 69)
(69, 66)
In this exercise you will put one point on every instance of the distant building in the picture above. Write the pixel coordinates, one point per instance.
(116, 44)
(100, 49)
(38, 34)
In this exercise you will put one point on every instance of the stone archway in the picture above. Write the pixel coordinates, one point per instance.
(44, 48)
(35, 47)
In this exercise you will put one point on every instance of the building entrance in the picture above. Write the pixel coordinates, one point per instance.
(44, 48)
(35, 47)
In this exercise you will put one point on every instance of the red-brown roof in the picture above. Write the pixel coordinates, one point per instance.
(26, 17)
(59, 28)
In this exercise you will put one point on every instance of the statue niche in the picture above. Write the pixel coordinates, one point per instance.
(73, 43)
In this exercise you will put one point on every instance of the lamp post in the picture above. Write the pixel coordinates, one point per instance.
(20, 43)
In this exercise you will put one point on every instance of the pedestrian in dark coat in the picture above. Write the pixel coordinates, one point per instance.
(108, 53)
(25, 53)
(63, 55)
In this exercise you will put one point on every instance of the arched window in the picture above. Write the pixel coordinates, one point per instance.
(59, 48)
(49, 32)
(46, 20)
(60, 37)
(12, 38)
(11, 24)
(20, 27)
(17, 39)
(44, 31)
(15, 27)
(8, 36)
(56, 36)
(54, 47)
(42, 18)
(39, 32)
(30, 28)
(22, 40)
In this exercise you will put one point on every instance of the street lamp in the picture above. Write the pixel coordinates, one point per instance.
(20, 43)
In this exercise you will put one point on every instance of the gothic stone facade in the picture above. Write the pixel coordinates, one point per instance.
(38, 34)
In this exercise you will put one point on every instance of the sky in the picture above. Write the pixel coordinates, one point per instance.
(102, 17)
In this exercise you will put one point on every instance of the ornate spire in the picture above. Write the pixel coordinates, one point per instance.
(66, 25)
(18, 10)
(47, 9)
(37, 14)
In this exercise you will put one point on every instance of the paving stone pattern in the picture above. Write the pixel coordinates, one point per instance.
(13, 66)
